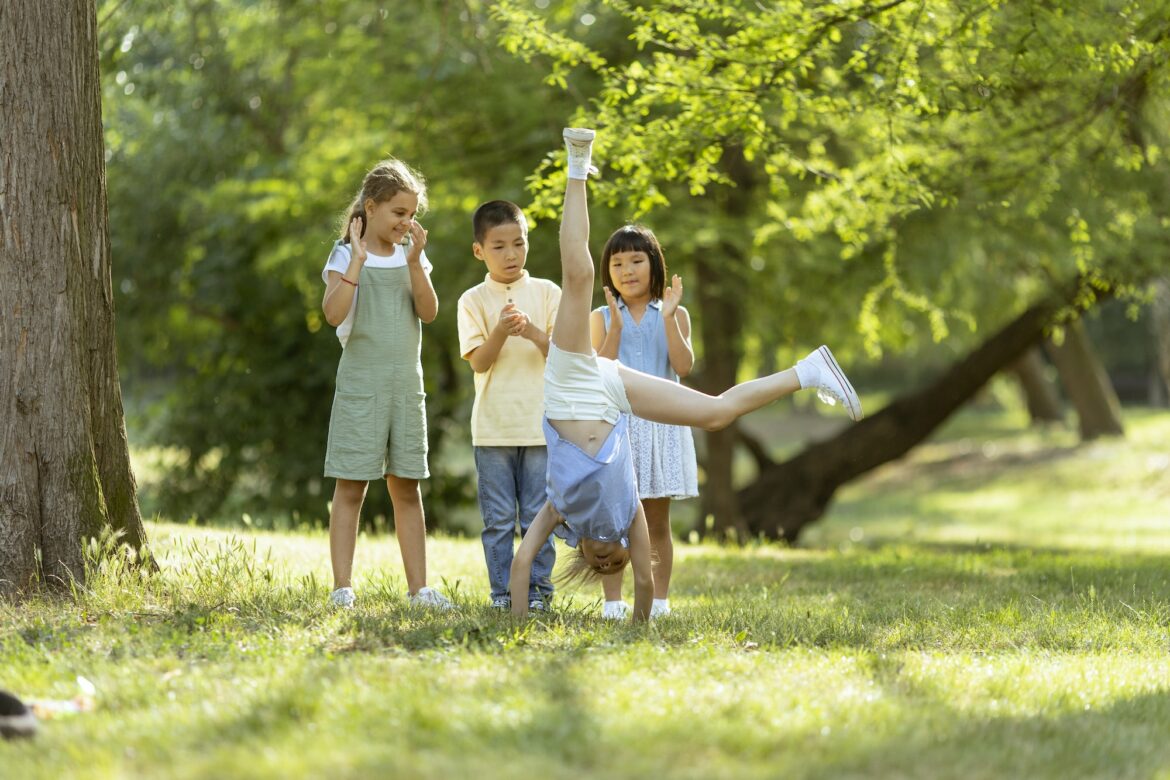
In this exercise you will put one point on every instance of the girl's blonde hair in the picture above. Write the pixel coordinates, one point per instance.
(385, 180)
(576, 571)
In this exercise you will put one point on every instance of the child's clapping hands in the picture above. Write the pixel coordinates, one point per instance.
(515, 321)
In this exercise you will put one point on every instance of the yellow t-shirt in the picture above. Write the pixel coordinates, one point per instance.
(509, 396)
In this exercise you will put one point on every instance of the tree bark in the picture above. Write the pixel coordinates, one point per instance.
(1086, 383)
(789, 495)
(64, 461)
(722, 352)
(721, 292)
(1040, 394)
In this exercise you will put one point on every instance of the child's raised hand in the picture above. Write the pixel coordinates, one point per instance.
(615, 314)
(418, 240)
(356, 245)
(672, 296)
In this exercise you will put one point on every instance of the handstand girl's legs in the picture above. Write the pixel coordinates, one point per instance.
(571, 329)
(668, 402)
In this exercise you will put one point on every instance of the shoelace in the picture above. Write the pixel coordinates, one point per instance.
(829, 396)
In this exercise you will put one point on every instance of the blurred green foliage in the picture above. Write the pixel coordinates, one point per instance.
(921, 164)
(912, 166)
(237, 132)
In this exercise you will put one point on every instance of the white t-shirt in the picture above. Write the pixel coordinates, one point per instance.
(339, 261)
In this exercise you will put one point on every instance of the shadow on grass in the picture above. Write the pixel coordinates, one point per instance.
(557, 736)
(1123, 740)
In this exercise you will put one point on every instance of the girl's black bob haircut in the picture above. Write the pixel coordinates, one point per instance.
(636, 238)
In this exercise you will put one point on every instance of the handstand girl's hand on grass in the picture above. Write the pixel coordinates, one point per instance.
(592, 491)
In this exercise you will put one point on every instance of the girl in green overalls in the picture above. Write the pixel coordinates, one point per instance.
(378, 288)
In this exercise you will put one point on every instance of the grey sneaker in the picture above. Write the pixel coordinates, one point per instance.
(579, 144)
(537, 604)
(342, 598)
(832, 385)
(431, 599)
(503, 603)
(616, 610)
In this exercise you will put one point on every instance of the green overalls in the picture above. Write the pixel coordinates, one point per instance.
(379, 420)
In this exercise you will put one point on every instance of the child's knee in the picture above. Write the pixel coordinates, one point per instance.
(350, 491)
(404, 492)
(577, 275)
(658, 527)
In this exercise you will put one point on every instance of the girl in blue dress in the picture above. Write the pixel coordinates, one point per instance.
(645, 327)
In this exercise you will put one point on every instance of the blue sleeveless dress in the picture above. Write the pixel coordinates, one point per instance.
(664, 455)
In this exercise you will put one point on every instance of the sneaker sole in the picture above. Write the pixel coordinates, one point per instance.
(579, 134)
(852, 402)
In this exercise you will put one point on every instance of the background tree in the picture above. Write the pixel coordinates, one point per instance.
(921, 152)
(896, 180)
(64, 462)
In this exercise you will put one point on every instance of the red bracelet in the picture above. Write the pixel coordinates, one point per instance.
(347, 281)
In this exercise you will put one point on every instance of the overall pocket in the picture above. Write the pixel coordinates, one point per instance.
(352, 422)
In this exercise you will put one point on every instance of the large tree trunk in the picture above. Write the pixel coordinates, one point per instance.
(64, 462)
(1039, 391)
(721, 324)
(1086, 383)
(721, 291)
(789, 495)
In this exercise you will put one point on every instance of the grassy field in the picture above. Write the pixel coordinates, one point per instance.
(995, 606)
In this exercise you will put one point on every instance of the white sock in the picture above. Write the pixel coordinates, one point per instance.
(807, 374)
(580, 159)
(661, 603)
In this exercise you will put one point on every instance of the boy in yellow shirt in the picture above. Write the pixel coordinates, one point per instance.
(504, 328)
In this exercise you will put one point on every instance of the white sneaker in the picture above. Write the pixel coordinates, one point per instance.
(831, 383)
(431, 599)
(579, 143)
(616, 610)
(342, 598)
(659, 609)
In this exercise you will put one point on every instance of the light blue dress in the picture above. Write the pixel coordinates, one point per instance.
(664, 455)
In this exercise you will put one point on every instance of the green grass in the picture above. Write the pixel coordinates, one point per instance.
(990, 607)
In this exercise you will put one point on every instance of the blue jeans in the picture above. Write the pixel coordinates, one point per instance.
(511, 489)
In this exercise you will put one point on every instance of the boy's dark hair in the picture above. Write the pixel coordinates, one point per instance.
(636, 238)
(495, 213)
